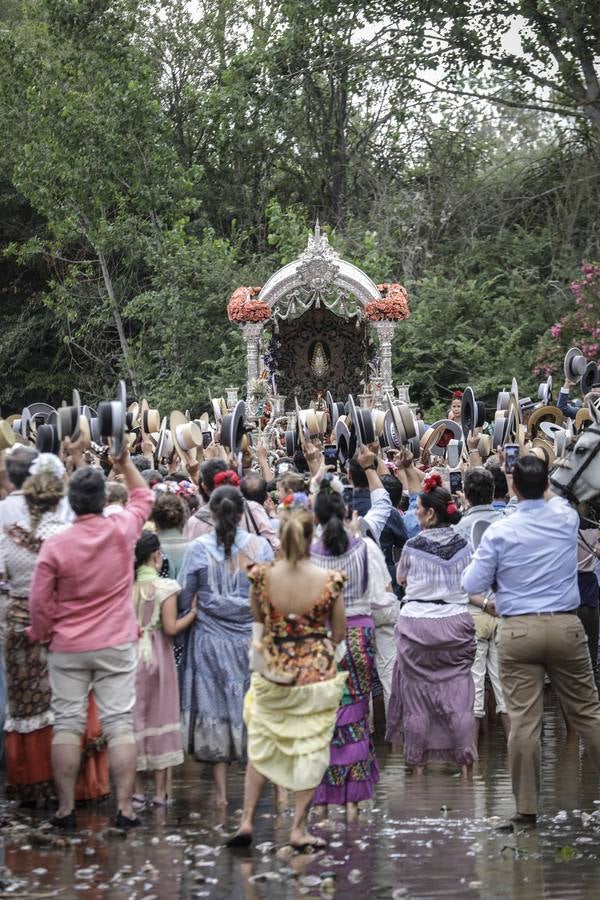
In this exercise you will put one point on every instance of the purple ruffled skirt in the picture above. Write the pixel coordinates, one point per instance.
(353, 772)
(431, 703)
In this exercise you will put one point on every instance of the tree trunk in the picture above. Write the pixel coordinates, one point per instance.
(118, 320)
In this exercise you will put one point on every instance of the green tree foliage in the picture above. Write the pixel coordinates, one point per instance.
(155, 155)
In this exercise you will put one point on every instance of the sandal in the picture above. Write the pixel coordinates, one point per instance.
(239, 839)
(138, 801)
(164, 801)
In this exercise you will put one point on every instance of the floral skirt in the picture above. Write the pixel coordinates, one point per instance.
(29, 720)
(353, 772)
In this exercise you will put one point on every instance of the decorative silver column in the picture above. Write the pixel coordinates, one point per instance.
(385, 332)
(252, 332)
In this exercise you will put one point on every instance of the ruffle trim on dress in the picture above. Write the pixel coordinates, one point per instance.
(152, 763)
(27, 726)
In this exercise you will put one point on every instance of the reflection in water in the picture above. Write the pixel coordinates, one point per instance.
(424, 837)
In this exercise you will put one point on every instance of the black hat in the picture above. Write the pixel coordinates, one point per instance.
(361, 423)
(232, 427)
(47, 439)
(472, 413)
(590, 378)
(111, 420)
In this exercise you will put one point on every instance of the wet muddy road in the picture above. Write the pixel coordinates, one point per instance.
(424, 837)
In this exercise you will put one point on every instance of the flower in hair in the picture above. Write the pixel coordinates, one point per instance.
(227, 477)
(297, 500)
(47, 462)
(457, 395)
(186, 489)
(331, 482)
(452, 508)
(432, 482)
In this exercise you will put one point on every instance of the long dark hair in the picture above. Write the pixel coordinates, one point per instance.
(227, 507)
(440, 501)
(330, 511)
(145, 547)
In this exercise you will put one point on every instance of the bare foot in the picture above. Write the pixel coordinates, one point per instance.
(281, 798)
(305, 841)
(351, 812)
(221, 801)
(466, 771)
(320, 810)
(419, 770)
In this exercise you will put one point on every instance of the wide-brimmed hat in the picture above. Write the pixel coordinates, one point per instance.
(544, 450)
(500, 426)
(479, 528)
(343, 441)
(111, 420)
(361, 422)
(513, 417)
(437, 437)
(85, 432)
(313, 424)
(545, 391)
(232, 428)
(335, 408)
(7, 435)
(164, 444)
(484, 447)
(291, 443)
(583, 417)
(68, 419)
(472, 413)
(454, 452)
(574, 365)
(149, 420)
(502, 400)
(47, 439)
(219, 408)
(132, 418)
(40, 412)
(186, 435)
(401, 427)
(23, 424)
(552, 430)
(544, 414)
(590, 378)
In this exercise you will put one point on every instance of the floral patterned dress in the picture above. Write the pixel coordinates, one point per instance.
(290, 726)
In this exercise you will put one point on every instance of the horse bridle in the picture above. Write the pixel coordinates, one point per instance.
(567, 489)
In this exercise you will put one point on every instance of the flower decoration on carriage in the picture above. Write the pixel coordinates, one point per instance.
(393, 304)
(244, 306)
(431, 483)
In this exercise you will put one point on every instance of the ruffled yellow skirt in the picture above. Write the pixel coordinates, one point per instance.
(290, 729)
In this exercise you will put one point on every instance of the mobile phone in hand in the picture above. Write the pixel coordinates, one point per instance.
(511, 456)
(456, 482)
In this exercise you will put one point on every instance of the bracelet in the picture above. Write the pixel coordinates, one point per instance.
(484, 605)
(372, 466)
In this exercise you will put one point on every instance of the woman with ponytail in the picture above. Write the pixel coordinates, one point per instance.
(431, 705)
(290, 709)
(352, 772)
(29, 718)
(215, 672)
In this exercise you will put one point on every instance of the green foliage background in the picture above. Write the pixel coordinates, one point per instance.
(155, 155)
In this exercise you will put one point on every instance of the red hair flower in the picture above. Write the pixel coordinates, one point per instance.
(432, 482)
(227, 477)
(457, 395)
(452, 509)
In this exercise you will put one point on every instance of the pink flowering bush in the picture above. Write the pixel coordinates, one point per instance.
(578, 327)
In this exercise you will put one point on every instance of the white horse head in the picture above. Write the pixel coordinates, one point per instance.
(579, 477)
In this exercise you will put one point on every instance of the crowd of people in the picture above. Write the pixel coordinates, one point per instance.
(259, 616)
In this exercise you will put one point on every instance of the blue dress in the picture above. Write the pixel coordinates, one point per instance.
(215, 674)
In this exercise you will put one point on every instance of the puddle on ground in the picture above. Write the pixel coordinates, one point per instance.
(422, 838)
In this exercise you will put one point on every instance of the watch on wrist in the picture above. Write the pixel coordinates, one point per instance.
(484, 605)
(372, 466)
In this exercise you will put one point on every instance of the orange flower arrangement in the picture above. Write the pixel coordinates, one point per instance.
(393, 304)
(244, 307)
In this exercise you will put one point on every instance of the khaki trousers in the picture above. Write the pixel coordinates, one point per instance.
(528, 647)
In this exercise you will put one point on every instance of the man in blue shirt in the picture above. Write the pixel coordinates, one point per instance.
(530, 560)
